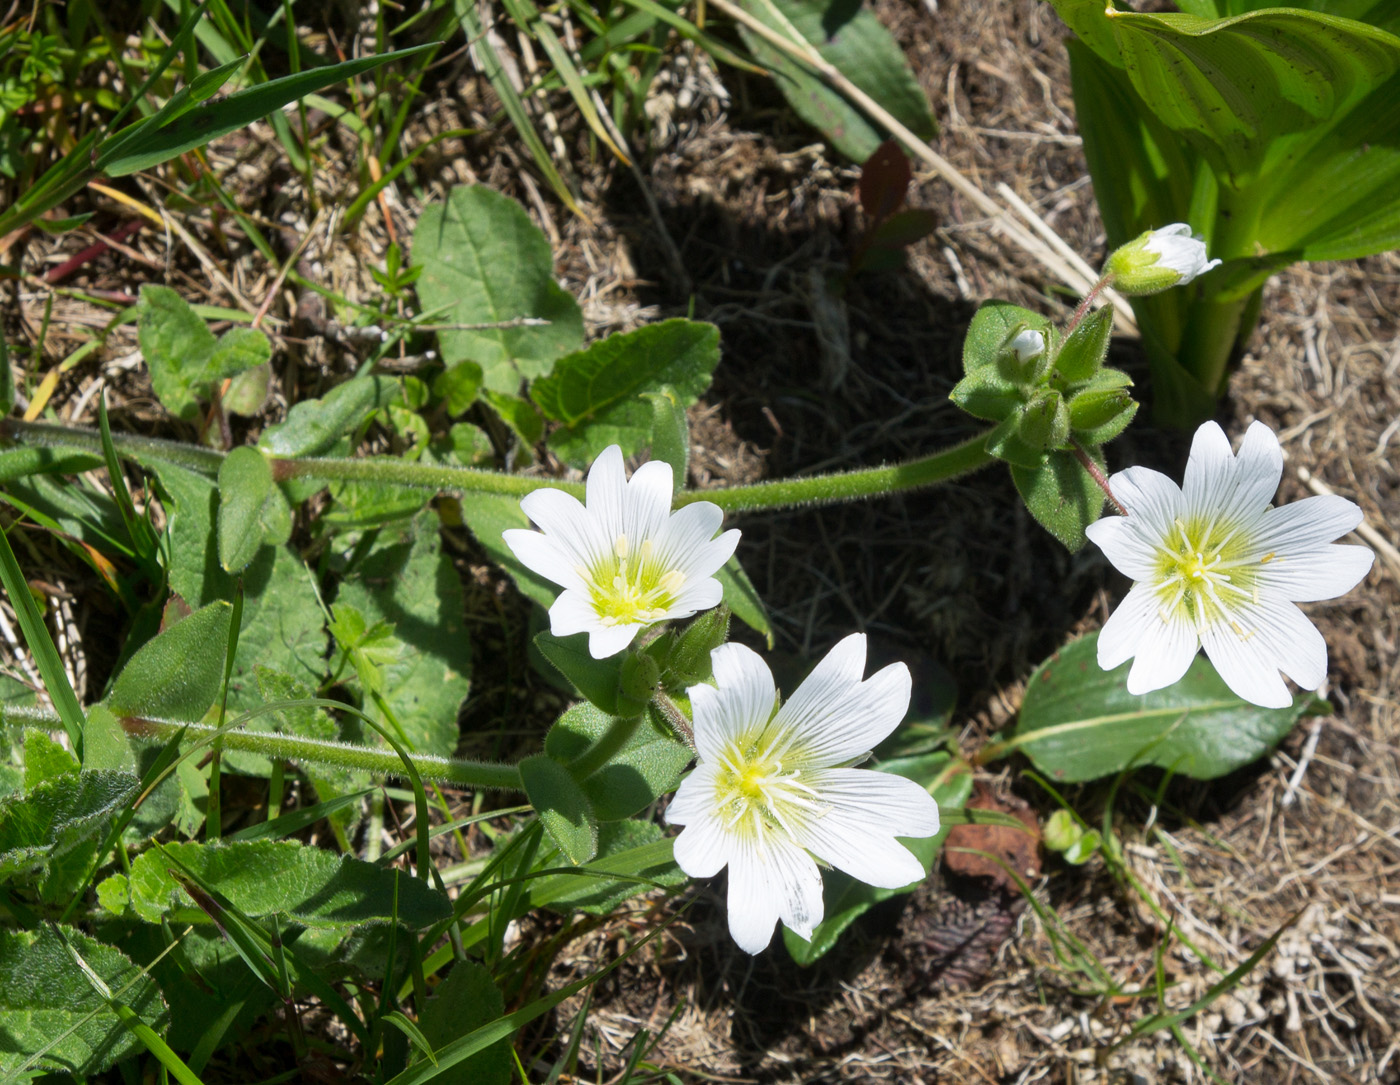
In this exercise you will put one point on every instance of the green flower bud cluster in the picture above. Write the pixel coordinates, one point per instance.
(1045, 391)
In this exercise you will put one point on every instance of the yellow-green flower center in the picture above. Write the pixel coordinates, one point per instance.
(756, 795)
(630, 589)
(1205, 574)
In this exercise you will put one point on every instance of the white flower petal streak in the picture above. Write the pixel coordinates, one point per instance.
(1216, 566)
(772, 792)
(624, 560)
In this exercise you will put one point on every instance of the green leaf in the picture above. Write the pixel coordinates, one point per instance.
(314, 425)
(57, 815)
(45, 759)
(598, 680)
(308, 721)
(483, 262)
(177, 674)
(150, 144)
(564, 809)
(988, 390)
(488, 515)
(182, 354)
(637, 851)
(7, 381)
(252, 510)
(853, 41)
(406, 580)
(648, 765)
(1079, 722)
(670, 434)
(264, 878)
(845, 898)
(47, 1005)
(597, 393)
(466, 1000)
(283, 625)
(1062, 495)
(458, 386)
(742, 599)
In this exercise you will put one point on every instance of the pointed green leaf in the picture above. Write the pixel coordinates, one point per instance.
(648, 765)
(564, 809)
(177, 674)
(252, 510)
(1062, 495)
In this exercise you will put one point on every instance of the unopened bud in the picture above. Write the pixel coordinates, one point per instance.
(1158, 260)
(1045, 421)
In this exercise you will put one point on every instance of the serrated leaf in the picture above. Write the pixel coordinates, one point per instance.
(846, 899)
(313, 426)
(648, 765)
(1079, 722)
(467, 999)
(564, 809)
(283, 878)
(252, 510)
(852, 40)
(484, 261)
(48, 1005)
(177, 674)
(57, 815)
(597, 393)
(1062, 495)
(406, 580)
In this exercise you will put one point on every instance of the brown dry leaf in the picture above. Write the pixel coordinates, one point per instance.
(970, 848)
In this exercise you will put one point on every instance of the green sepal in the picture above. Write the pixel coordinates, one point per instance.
(1045, 421)
(1085, 348)
(689, 661)
(1101, 411)
(638, 679)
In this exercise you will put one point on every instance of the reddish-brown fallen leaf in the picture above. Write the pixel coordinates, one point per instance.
(974, 850)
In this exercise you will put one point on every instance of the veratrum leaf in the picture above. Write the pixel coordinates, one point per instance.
(597, 393)
(847, 899)
(853, 41)
(1079, 722)
(58, 815)
(283, 878)
(484, 261)
(44, 995)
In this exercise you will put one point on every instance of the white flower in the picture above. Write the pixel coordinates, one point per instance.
(771, 790)
(624, 560)
(1027, 344)
(1216, 566)
(1159, 259)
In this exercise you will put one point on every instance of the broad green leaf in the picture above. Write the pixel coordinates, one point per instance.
(47, 1004)
(45, 759)
(845, 899)
(743, 600)
(177, 674)
(283, 878)
(467, 999)
(1079, 722)
(252, 510)
(313, 426)
(57, 815)
(564, 809)
(488, 515)
(485, 262)
(598, 680)
(1062, 495)
(283, 626)
(182, 354)
(648, 765)
(406, 580)
(852, 40)
(632, 849)
(306, 720)
(151, 144)
(670, 433)
(597, 393)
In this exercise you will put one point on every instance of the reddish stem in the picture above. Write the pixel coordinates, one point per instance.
(1096, 473)
(1083, 310)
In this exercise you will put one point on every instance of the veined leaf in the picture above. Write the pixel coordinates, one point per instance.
(57, 815)
(1079, 722)
(274, 877)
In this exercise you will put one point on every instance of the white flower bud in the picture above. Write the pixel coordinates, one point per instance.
(1027, 344)
(1159, 259)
